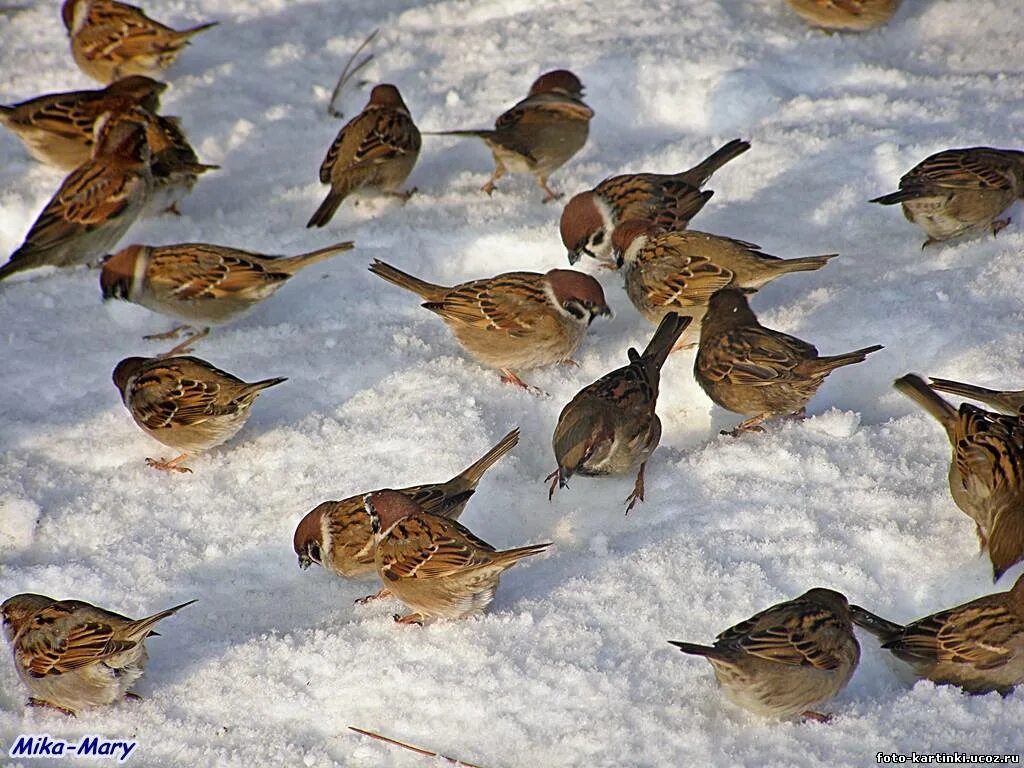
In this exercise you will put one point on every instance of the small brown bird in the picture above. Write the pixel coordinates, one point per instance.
(610, 427)
(57, 129)
(845, 15)
(539, 134)
(72, 655)
(376, 149)
(1008, 401)
(978, 646)
(986, 471)
(960, 192)
(515, 320)
(679, 271)
(787, 660)
(185, 403)
(337, 535)
(669, 200)
(175, 166)
(755, 371)
(434, 565)
(110, 40)
(95, 206)
(201, 283)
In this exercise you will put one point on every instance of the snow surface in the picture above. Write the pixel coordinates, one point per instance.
(570, 667)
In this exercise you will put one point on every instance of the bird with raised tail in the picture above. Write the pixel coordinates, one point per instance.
(589, 219)
(337, 534)
(435, 566)
(755, 371)
(540, 134)
(986, 470)
(74, 656)
(977, 646)
(513, 321)
(110, 40)
(375, 150)
(610, 427)
(788, 660)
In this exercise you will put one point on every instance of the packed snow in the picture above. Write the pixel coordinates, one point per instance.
(570, 665)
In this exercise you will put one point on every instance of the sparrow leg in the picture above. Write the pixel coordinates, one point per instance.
(412, 618)
(569, 362)
(132, 696)
(171, 334)
(383, 593)
(168, 466)
(542, 182)
(404, 196)
(185, 346)
(999, 225)
(499, 171)
(817, 717)
(798, 415)
(556, 482)
(34, 702)
(638, 489)
(928, 242)
(753, 424)
(173, 209)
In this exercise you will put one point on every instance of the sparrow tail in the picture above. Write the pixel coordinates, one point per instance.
(266, 384)
(701, 172)
(471, 475)
(191, 31)
(697, 650)
(293, 264)
(991, 397)
(326, 210)
(669, 330)
(883, 629)
(510, 557)
(830, 363)
(143, 627)
(421, 288)
(805, 264)
(898, 196)
(483, 133)
(914, 387)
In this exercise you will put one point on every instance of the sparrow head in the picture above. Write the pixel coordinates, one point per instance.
(120, 137)
(630, 236)
(142, 90)
(308, 541)
(120, 271)
(18, 610)
(728, 307)
(558, 81)
(578, 294)
(584, 227)
(830, 599)
(387, 507)
(386, 95)
(126, 370)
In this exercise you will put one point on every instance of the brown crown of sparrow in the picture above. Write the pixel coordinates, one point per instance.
(787, 660)
(669, 200)
(986, 471)
(72, 655)
(376, 150)
(540, 133)
(960, 192)
(111, 40)
(513, 321)
(610, 427)
(756, 371)
(185, 403)
(978, 646)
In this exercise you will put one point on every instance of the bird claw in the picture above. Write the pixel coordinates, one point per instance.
(380, 595)
(412, 618)
(999, 225)
(817, 717)
(168, 466)
(556, 482)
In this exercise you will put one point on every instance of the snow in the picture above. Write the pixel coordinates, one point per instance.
(570, 666)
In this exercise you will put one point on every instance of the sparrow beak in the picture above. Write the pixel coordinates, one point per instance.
(574, 256)
(603, 310)
(304, 562)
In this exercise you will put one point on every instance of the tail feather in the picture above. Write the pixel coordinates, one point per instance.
(259, 386)
(144, 627)
(471, 475)
(701, 172)
(292, 264)
(483, 133)
(899, 196)
(421, 288)
(326, 210)
(698, 650)
(830, 363)
(913, 386)
(1009, 401)
(510, 557)
(665, 337)
(185, 34)
(883, 629)
(803, 264)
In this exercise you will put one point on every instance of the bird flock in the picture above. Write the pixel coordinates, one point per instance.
(787, 661)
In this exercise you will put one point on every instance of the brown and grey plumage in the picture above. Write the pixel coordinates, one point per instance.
(1008, 401)
(986, 471)
(610, 427)
(540, 133)
(755, 371)
(960, 192)
(845, 15)
(57, 129)
(978, 646)
(337, 534)
(376, 149)
(787, 660)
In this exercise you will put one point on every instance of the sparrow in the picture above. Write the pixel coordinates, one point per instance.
(337, 536)
(515, 320)
(110, 40)
(978, 646)
(95, 205)
(57, 129)
(185, 403)
(175, 166)
(434, 565)
(756, 371)
(845, 15)
(198, 282)
(72, 655)
(610, 427)
(376, 149)
(986, 471)
(539, 134)
(960, 192)
(787, 660)
(679, 271)
(1009, 401)
(669, 200)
